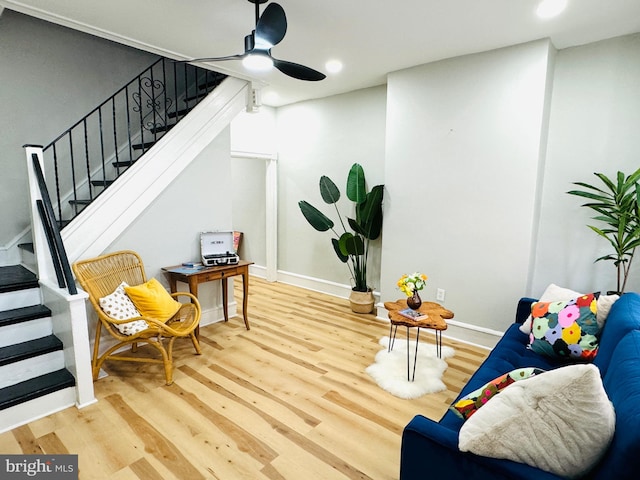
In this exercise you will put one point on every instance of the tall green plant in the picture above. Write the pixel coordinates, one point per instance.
(351, 246)
(617, 204)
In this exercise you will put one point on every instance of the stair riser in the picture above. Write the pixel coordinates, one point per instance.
(20, 298)
(26, 412)
(25, 331)
(30, 368)
(28, 259)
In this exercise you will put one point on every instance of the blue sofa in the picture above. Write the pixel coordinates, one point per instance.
(430, 449)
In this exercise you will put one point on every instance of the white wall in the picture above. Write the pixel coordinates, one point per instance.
(50, 77)
(325, 137)
(253, 143)
(463, 147)
(476, 153)
(168, 232)
(594, 127)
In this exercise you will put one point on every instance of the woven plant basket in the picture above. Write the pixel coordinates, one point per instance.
(361, 302)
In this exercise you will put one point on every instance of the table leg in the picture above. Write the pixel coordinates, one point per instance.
(392, 339)
(193, 290)
(408, 367)
(225, 306)
(439, 343)
(415, 356)
(245, 298)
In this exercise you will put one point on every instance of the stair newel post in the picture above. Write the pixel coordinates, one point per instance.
(68, 305)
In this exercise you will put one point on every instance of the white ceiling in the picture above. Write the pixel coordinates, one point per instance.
(371, 38)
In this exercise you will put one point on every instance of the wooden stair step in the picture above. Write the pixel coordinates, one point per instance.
(182, 112)
(16, 277)
(101, 183)
(28, 246)
(35, 387)
(32, 348)
(163, 128)
(125, 164)
(143, 146)
(23, 314)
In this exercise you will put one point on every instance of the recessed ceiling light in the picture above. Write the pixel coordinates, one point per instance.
(333, 66)
(551, 8)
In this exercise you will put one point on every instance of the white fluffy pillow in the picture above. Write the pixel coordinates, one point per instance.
(560, 421)
(554, 293)
(118, 305)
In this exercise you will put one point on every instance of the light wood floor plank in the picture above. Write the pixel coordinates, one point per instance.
(287, 400)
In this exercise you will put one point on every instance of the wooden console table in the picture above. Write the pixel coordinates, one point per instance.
(193, 277)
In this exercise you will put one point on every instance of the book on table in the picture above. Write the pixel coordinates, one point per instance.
(413, 314)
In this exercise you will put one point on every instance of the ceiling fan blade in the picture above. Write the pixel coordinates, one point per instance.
(298, 71)
(271, 26)
(212, 59)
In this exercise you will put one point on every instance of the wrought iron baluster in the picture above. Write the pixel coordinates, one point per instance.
(115, 134)
(57, 175)
(102, 143)
(164, 80)
(126, 96)
(86, 156)
(140, 110)
(73, 172)
(175, 89)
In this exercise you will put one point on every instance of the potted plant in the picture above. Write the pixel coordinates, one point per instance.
(617, 204)
(352, 245)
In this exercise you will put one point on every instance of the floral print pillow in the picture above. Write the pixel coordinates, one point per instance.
(470, 403)
(566, 329)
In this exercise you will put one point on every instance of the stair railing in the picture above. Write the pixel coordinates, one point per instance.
(90, 155)
(58, 289)
(58, 253)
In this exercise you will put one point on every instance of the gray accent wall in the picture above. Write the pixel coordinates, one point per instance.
(51, 76)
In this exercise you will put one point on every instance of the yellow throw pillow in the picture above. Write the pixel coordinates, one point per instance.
(153, 301)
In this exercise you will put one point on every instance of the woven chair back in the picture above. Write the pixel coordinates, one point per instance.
(100, 276)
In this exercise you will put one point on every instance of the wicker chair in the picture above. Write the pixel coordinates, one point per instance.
(100, 276)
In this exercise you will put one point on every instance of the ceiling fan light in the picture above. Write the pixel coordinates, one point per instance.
(257, 62)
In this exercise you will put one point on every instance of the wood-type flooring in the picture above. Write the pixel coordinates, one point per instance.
(288, 399)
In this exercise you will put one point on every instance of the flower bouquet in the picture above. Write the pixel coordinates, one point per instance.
(409, 284)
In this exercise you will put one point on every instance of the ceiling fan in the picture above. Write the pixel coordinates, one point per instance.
(270, 29)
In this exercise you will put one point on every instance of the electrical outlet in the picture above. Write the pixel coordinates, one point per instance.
(440, 294)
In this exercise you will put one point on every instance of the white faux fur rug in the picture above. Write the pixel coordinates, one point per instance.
(390, 368)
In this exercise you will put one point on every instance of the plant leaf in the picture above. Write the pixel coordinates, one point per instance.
(369, 213)
(351, 244)
(336, 248)
(315, 217)
(356, 189)
(329, 191)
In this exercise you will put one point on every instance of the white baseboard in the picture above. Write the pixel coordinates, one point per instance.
(459, 331)
(319, 285)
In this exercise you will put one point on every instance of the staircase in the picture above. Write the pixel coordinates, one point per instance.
(33, 379)
(45, 355)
